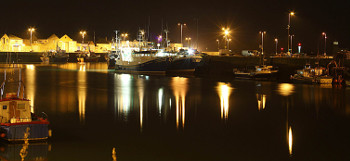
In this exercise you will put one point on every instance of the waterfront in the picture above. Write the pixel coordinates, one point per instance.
(92, 110)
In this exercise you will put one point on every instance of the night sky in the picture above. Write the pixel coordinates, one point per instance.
(246, 18)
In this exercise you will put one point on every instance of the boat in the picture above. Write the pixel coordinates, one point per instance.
(311, 75)
(55, 57)
(143, 62)
(333, 74)
(259, 72)
(111, 59)
(158, 62)
(184, 62)
(87, 57)
(17, 122)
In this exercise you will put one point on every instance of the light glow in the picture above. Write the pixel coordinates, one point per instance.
(285, 89)
(224, 90)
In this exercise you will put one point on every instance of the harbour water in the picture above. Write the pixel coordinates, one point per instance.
(93, 110)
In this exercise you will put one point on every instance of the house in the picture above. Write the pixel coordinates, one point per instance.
(11, 43)
(67, 44)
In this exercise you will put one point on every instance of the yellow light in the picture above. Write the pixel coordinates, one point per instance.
(292, 13)
(276, 40)
(285, 89)
(31, 29)
(290, 140)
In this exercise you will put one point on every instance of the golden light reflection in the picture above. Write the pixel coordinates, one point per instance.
(285, 89)
(160, 100)
(179, 86)
(91, 67)
(224, 91)
(124, 94)
(290, 140)
(261, 101)
(140, 85)
(82, 89)
(30, 85)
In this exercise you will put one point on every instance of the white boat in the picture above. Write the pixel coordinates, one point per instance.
(260, 72)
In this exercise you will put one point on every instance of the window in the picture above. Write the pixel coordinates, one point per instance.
(21, 106)
(4, 107)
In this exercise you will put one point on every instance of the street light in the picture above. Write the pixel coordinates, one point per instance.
(124, 36)
(262, 41)
(188, 41)
(325, 42)
(276, 41)
(181, 25)
(83, 33)
(226, 33)
(217, 40)
(31, 30)
(288, 27)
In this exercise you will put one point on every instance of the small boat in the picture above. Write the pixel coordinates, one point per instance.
(260, 72)
(312, 75)
(17, 123)
(54, 57)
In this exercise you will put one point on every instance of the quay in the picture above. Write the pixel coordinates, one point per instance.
(224, 65)
(34, 57)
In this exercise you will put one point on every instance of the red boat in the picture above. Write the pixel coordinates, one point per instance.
(17, 123)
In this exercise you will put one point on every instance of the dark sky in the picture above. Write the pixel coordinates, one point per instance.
(245, 17)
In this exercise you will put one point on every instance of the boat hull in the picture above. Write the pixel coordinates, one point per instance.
(15, 132)
(155, 66)
(184, 65)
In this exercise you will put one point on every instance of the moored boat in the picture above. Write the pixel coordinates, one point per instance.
(260, 72)
(17, 122)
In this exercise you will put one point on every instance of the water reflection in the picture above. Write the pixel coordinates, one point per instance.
(160, 100)
(285, 89)
(224, 91)
(140, 86)
(124, 94)
(179, 86)
(261, 101)
(94, 67)
(82, 89)
(290, 140)
(30, 85)
(15, 152)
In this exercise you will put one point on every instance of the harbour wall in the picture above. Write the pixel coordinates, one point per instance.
(224, 65)
(34, 57)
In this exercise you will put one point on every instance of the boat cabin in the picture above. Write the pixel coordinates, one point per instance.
(14, 109)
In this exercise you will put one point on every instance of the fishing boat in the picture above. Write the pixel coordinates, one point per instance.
(259, 72)
(55, 57)
(330, 75)
(144, 62)
(17, 122)
(311, 75)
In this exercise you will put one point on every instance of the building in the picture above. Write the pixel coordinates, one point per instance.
(11, 43)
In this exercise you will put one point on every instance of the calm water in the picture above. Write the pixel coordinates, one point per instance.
(93, 110)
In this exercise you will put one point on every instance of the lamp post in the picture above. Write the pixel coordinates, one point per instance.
(288, 27)
(276, 42)
(262, 41)
(226, 32)
(83, 33)
(31, 30)
(181, 26)
(188, 41)
(325, 43)
(291, 44)
(228, 44)
(124, 36)
(217, 40)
